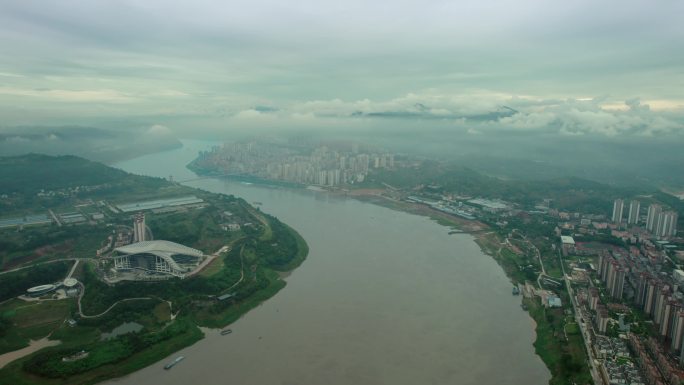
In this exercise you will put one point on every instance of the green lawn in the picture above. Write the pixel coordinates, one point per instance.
(15, 375)
(31, 321)
(572, 328)
(566, 359)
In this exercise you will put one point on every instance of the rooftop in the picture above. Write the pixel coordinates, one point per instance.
(155, 204)
(158, 247)
(567, 240)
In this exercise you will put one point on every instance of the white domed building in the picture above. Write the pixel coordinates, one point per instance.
(160, 258)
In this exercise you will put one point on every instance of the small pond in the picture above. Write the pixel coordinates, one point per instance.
(124, 328)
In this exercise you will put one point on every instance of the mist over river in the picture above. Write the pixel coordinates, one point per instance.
(384, 297)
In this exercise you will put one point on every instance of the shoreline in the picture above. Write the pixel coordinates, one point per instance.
(486, 238)
(33, 346)
(11, 363)
(483, 235)
(164, 350)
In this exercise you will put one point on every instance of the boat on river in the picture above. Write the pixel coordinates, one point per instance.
(225, 332)
(174, 362)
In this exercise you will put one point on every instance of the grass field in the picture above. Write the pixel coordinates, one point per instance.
(233, 313)
(31, 321)
(565, 358)
(14, 374)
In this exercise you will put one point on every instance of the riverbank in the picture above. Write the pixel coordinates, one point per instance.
(15, 374)
(560, 356)
(173, 308)
(14, 371)
(33, 346)
(548, 323)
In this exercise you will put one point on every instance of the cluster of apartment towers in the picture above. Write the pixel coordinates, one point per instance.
(661, 223)
(657, 295)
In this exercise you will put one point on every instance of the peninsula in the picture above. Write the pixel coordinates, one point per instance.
(120, 269)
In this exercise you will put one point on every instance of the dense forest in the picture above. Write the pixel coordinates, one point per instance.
(31, 173)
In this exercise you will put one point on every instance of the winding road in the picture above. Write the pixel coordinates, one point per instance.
(80, 296)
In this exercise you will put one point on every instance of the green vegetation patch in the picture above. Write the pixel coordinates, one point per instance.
(565, 358)
(105, 359)
(249, 273)
(23, 321)
(66, 362)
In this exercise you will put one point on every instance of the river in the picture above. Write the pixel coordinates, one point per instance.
(384, 297)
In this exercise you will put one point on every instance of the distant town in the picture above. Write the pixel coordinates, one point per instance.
(335, 165)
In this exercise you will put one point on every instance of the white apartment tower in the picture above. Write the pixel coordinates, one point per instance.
(666, 225)
(654, 211)
(633, 217)
(618, 207)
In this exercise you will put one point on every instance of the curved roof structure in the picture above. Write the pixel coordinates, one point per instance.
(41, 289)
(163, 249)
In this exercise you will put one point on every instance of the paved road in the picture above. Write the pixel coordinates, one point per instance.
(73, 268)
(43, 263)
(80, 296)
(55, 218)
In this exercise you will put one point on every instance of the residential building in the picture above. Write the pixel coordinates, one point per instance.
(618, 207)
(652, 217)
(633, 217)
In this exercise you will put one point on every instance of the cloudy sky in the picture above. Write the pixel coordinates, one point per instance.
(609, 67)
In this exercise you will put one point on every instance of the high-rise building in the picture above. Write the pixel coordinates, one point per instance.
(613, 274)
(667, 318)
(666, 225)
(615, 281)
(139, 227)
(618, 207)
(633, 217)
(594, 298)
(601, 319)
(652, 217)
(677, 331)
(642, 288)
(651, 292)
(662, 299)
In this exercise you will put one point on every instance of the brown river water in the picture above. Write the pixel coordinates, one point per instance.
(384, 297)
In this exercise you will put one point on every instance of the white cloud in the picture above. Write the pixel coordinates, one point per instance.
(62, 95)
(578, 117)
(158, 129)
(478, 111)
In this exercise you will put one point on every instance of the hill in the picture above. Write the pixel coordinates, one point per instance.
(31, 173)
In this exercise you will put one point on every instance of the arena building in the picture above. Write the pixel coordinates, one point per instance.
(160, 258)
(41, 290)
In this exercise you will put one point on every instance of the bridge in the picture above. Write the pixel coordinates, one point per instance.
(211, 176)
